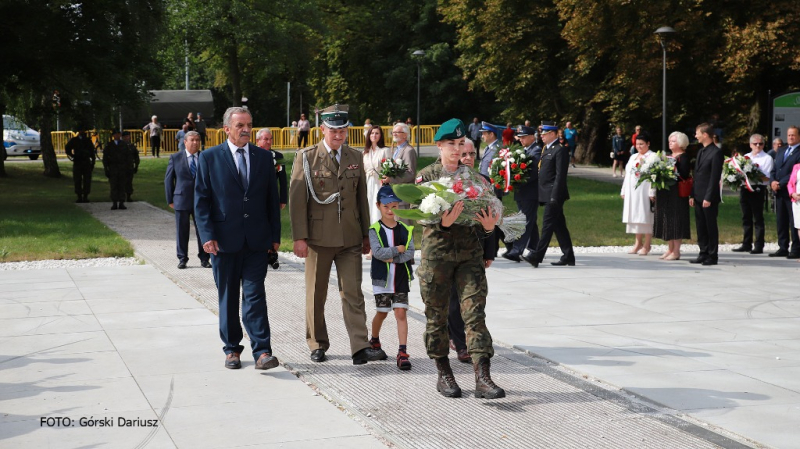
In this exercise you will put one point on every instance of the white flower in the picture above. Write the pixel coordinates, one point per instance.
(433, 204)
(653, 177)
(731, 178)
(511, 160)
(398, 161)
(504, 163)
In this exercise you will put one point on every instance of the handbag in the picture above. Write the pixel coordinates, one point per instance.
(685, 187)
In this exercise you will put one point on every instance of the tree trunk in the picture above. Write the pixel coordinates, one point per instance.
(593, 145)
(3, 148)
(235, 74)
(51, 169)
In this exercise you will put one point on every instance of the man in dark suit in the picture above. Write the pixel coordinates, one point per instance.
(785, 160)
(264, 140)
(553, 194)
(527, 196)
(238, 216)
(705, 195)
(179, 188)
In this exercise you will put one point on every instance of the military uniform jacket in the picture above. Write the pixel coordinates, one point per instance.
(458, 243)
(553, 174)
(80, 150)
(117, 157)
(529, 191)
(135, 160)
(320, 224)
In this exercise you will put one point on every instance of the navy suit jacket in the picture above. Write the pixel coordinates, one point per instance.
(225, 212)
(178, 182)
(782, 170)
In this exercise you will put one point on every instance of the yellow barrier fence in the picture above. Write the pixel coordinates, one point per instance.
(282, 138)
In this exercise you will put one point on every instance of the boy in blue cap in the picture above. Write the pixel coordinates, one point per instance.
(392, 254)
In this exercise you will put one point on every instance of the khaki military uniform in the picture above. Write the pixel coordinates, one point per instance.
(132, 169)
(116, 160)
(334, 233)
(453, 256)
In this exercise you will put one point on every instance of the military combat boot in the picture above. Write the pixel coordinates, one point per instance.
(446, 382)
(114, 206)
(122, 205)
(484, 386)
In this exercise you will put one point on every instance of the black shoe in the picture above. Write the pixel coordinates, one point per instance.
(129, 199)
(122, 206)
(709, 261)
(700, 259)
(511, 255)
(86, 198)
(318, 355)
(793, 256)
(779, 253)
(531, 259)
(205, 264)
(79, 200)
(757, 251)
(182, 264)
(742, 249)
(368, 355)
(232, 361)
(562, 263)
(114, 206)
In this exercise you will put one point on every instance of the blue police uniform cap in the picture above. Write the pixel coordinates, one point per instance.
(525, 131)
(386, 195)
(488, 127)
(549, 126)
(451, 129)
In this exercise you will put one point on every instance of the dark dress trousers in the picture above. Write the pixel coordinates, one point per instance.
(707, 173)
(179, 189)
(245, 223)
(283, 185)
(784, 220)
(527, 199)
(553, 194)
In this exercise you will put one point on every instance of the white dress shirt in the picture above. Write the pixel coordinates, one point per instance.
(233, 149)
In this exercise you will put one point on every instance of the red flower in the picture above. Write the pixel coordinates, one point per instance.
(747, 157)
(472, 193)
(510, 188)
(383, 160)
(517, 177)
(502, 172)
(523, 166)
(513, 166)
(497, 186)
(458, 187)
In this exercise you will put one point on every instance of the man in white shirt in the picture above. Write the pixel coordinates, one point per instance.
(752, 203)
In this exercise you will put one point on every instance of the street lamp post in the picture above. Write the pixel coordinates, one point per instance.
(663, 34)
(418, 56)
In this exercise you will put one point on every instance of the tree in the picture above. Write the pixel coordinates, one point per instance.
(98, 52)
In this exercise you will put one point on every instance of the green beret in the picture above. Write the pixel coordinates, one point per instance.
(451, 129)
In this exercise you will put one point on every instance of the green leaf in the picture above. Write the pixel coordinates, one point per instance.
(413, 214)
(410, 193)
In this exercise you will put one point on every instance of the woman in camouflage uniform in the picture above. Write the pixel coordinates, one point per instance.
(452, 254)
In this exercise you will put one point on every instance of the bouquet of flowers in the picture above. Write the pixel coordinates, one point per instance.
(391, 168)
(657, 169)
(510, 166)
(432, 199)
(738, 171)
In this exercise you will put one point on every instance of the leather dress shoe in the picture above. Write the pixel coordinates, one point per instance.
(531, 259)
(266, 361)
(368, 355)
(318, 355)
(742, 249)
(709, 261)
(182, 264)
(562, 263)
(793, 256)
(232, 361)
(122, 206)
(757, 251)
(463, 356)
(779, 253)
(698, 260)
(511, 255)
(205, 264)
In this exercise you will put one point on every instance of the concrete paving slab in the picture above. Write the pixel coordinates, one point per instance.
(61, 294)
(158, 318)
(48, 325)
(19, 346)
(43, 309)
(781, 419)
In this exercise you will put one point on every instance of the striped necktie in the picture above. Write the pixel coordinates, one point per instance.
(192, 166)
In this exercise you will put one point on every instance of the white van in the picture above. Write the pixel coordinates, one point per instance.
(19, 139)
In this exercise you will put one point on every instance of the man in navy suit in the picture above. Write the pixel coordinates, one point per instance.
(705, 197)
(785, 160)
(179, 187)
(238, 215)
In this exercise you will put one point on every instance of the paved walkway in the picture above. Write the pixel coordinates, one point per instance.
(126, 342)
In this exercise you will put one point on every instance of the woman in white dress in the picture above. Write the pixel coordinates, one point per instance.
(374, 154)
(636, 212)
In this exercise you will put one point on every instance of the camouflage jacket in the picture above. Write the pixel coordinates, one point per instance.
(457, 243)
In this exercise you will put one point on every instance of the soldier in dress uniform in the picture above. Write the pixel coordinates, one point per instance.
(453, 254)
(133, 167)
(80, 150)
(116, 160)
(329, 208)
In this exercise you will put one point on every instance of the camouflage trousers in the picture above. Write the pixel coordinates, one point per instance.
(436, 281)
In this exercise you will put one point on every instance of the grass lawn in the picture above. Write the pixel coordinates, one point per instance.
(39, 220)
